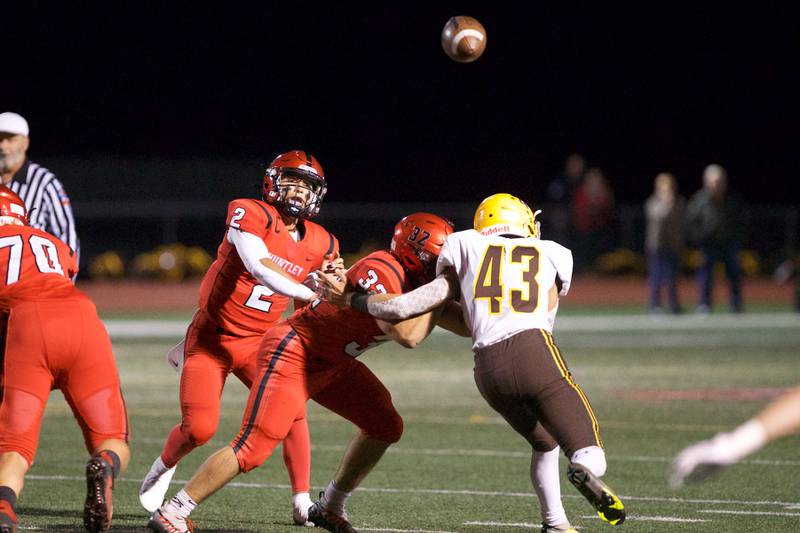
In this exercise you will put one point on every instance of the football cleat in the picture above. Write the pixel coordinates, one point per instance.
(162, 522)
(327, 520)
(8, 522)
(155, 485)
(98, 507)
(602, 498)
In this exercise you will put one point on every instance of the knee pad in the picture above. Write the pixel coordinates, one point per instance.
(198, 432)
(593, 458)
(390, 430)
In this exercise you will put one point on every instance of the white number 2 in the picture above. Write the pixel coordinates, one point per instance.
(44, 252)
(255, 300)
(238, 214)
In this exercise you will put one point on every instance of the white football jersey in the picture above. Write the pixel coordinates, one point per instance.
(505, 282)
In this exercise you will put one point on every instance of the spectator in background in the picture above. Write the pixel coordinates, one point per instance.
(592, 213)
(717, 223)
(44, 196)
(558, 195)
(664, 212)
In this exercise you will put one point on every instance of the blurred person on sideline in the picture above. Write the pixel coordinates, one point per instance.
(664, 212)
(558, 194)
(47, 202)
(717, 222)
(53, 339)
(702, 460)
(592, 216)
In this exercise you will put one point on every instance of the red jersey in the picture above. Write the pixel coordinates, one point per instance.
(34, 265)
(231, 296)
(331, 332)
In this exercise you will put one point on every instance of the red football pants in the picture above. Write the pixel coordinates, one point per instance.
(209, 357)
(58, 344)
(286, 380)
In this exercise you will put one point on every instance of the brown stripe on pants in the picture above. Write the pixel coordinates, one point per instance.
(525, 379)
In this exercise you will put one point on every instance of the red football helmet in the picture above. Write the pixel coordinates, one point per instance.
(299, 165)
(11, 205)
(417, 241)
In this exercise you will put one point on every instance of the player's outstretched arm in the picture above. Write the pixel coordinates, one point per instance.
(404, 306)
(452, 319)
(705, 458)
(255, 257)
(409, 333)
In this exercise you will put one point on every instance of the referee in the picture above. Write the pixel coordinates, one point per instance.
(44, 196)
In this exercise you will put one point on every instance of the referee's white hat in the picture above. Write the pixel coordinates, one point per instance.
(13, 123)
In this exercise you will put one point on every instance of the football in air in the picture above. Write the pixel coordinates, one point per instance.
(463, 39)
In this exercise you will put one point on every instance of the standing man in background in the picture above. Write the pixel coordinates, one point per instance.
(44, 196)
(663, 241)
(718, 224)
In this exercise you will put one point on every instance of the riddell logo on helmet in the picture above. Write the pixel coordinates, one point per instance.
(502, 228)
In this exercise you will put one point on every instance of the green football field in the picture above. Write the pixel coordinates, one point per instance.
(656, 385)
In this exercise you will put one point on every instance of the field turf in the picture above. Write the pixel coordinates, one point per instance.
(655, 384)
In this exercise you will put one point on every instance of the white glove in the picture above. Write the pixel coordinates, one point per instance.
(175, 356)
(702, 460)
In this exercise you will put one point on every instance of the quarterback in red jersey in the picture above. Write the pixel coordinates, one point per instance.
(313, 354)
(53, 339)
(270, 247)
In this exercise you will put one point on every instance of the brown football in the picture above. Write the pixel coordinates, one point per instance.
(463, 39)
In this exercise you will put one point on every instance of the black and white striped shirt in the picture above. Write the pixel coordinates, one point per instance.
(47, 202)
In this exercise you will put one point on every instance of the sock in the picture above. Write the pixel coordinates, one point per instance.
(111, 458)
(593, 458)
(301, 499)
(181, 505)
(8, 501)
(547, 484)
(335, 499)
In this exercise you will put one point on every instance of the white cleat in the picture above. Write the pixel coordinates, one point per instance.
(300, 509)
(155, 485)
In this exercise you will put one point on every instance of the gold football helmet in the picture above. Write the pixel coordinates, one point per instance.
(506, 214)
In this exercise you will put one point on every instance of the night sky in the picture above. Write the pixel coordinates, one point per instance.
(637, 89)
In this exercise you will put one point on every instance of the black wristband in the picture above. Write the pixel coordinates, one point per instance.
(358, 301)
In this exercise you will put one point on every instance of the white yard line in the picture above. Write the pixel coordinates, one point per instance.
(764, 513)
(526, 525)
(459, 492)
(473, 452)
(642, 518)
(175, 329)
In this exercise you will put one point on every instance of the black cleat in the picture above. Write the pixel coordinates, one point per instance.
(8, 522)
(602, 498)
(327, 520)
(98, 507)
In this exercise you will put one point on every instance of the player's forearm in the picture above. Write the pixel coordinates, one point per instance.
(255, 257)
(452, 319)
(401, 307)
(782, 417)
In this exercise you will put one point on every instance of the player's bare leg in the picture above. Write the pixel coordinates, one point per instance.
(109, 459)
(361, 456)
(216, 472)
(13, 467)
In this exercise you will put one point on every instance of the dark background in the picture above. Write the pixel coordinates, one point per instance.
(636, 88)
